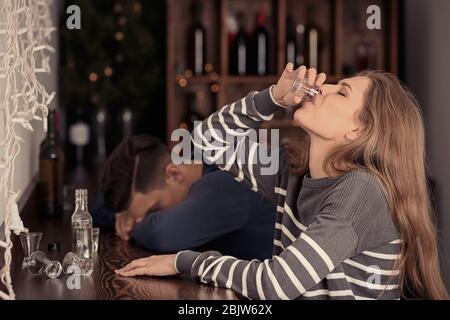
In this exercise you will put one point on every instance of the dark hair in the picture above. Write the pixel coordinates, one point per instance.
(137, 163)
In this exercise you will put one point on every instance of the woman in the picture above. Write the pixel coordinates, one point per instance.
(354, 218)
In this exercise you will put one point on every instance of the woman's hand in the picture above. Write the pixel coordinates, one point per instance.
(159, 266)
(282, 92)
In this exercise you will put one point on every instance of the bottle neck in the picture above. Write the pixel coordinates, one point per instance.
(81, 205)
(196, 12)
(51, 129)
(311, 15)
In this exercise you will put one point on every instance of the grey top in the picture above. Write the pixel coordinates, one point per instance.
(334, 237)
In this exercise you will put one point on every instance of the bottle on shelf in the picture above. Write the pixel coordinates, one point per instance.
(365, 53)
(197, 41)
(192, 114)
(312, 39)
(51, 171)
(291, 43)
(239, 49)
(82, 237)
(260, 57)
(79, 135)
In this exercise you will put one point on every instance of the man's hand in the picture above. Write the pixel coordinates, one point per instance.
(282, 93)
(160, 266)
(124, 225)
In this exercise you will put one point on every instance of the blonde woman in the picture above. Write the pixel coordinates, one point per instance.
(354, 218)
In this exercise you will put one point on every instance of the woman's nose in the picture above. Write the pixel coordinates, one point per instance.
(326, 89)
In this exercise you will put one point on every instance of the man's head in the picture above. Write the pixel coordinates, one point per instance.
(140, 177)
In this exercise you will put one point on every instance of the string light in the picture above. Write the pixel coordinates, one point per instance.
(208, 67)
(93, 77)
(118, 8)
(182, 82)
(120, 36)
(108, 71)
(28, 29)
(137, 7)
(214, 76)
(188, 73)
(215, 88)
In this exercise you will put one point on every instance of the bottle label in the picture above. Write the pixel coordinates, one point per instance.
(242, 59)
(79, 134)
(199, 51)
(262, 54)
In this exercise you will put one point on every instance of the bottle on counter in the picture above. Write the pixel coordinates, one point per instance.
(82, 237)
(51, 171)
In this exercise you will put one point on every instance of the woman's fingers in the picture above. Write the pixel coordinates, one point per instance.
(320, 79)
(311, 75)
(301, 72)
(134, 264)
(136, 272)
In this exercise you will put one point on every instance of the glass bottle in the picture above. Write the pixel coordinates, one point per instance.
(261, 46)
(312, 40)
(197, 43)
(51, 171)
(82, 243)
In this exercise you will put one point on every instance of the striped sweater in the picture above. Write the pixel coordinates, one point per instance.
(334, 237)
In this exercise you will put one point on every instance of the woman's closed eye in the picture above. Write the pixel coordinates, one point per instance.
(342, 93)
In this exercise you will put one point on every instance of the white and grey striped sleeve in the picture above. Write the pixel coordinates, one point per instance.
(315, 253)
(228, 139)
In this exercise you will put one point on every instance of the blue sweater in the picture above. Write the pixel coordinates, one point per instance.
(218, 214)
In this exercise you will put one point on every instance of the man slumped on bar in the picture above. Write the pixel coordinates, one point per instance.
(189, 206)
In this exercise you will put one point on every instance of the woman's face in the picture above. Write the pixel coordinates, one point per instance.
(333, 114)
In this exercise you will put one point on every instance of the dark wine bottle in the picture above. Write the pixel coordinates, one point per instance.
(291, 43)
(197, 43)
(51, 172)
(239, 49)
(261, 46)
(312, 40)
(193, 114)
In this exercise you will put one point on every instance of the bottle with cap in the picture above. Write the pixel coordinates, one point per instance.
(82, 236)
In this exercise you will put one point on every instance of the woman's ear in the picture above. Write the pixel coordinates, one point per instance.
(173, 174)
(353, 134)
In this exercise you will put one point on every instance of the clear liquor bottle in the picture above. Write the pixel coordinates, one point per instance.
(82, 243)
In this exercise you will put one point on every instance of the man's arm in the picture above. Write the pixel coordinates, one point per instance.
(215, 206)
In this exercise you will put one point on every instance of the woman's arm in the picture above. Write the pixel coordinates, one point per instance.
(228, 138)
(345, 217)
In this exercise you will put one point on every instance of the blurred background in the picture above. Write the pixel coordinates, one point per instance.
(140, 66)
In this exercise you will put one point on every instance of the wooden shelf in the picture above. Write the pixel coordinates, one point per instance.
(335, 21)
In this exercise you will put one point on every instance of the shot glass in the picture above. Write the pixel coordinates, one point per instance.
(39, 264)
(71, 262)
(30, 244)
(95, 239)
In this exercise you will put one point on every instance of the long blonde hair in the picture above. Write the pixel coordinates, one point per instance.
(392, 147)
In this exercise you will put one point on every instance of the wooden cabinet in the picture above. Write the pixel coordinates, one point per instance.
(342, 25)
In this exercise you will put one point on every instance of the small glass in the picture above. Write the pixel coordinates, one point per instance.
(38, 263)
(71, 262)
(95, 238)
(301, 88)
(30, 243)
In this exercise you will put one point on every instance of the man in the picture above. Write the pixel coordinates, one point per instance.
(190, 206)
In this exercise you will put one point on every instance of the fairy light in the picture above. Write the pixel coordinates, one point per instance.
(93, 77)
(26, 33)
(108, 71)
(120, 36)
(215, 88)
